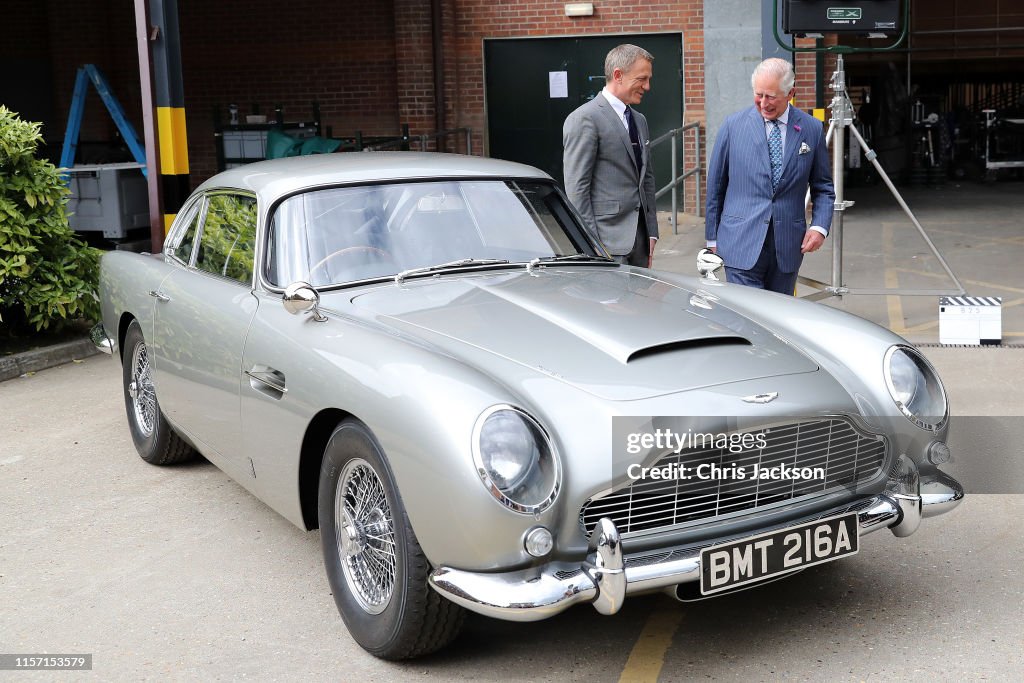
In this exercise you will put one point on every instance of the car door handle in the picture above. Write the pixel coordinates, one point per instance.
(159, 296)
(267, 381)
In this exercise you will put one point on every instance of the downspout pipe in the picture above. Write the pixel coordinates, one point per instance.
(437, 33)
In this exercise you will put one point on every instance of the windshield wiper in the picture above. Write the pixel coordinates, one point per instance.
(461, 263)
(566, 258)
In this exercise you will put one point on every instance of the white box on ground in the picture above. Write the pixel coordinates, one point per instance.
(971, 320)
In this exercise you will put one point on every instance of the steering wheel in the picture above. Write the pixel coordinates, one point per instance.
(380, 253)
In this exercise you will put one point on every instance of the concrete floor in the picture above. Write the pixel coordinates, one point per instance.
(179, 574)
(977, 228)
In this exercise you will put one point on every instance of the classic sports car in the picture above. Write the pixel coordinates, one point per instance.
(430, 358)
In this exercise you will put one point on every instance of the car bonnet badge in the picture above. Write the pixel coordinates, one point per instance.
(762, 398)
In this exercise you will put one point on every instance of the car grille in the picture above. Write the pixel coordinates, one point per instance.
(847, 457)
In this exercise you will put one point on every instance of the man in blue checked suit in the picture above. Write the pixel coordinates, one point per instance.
(764, 160)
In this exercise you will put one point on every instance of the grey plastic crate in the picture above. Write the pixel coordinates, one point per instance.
(112, 198)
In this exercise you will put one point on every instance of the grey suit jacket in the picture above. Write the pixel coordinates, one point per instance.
(601, 179)
(740, 200)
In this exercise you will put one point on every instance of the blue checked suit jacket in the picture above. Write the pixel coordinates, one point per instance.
(740, 201)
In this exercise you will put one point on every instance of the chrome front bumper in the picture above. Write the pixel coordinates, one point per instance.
(98, 335)
(606, 577)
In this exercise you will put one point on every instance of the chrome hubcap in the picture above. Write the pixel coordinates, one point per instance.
(141, 391)
(365, 535)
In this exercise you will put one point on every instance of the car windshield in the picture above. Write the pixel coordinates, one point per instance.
(347, 234)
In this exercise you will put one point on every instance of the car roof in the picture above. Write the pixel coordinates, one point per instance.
(284, 176)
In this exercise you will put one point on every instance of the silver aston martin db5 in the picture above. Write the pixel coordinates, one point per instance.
(429, 358)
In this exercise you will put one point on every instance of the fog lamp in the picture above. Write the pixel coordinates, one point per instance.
(538, 542)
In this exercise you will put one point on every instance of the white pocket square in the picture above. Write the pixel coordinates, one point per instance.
(804, 149)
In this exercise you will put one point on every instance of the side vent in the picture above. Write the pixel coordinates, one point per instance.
(687, 345)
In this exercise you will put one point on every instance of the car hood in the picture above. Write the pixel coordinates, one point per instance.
(613, 332)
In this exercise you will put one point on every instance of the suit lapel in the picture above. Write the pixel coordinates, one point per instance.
(794, 135)
(613, 119)
(762, 157)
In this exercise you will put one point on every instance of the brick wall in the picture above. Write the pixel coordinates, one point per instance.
(480, 19)
(342, 55)
(369, 65)
(64, 36)
(807, 76)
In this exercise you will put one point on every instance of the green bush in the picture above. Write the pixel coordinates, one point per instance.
(48, 277)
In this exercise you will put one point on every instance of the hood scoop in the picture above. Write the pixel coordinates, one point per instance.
(611, 333)
(686, 345)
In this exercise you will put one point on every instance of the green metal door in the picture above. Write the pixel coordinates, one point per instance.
(526, 103)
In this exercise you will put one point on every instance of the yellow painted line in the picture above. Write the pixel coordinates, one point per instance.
(979, 283)
(168, 219)
(974, 239)
(648, 654)
(892, 281)
(918, 328)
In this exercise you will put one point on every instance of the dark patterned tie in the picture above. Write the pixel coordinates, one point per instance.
(775, 152)
(634, 138)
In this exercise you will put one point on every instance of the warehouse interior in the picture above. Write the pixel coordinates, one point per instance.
(947, 104)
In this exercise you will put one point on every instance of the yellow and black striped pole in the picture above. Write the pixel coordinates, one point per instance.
(170, 107)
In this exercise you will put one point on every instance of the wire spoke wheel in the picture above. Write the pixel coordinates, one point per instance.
(365, 534)
(141, 391)
(375, 565)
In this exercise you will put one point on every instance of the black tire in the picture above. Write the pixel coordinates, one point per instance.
(382, 595)
(154, 439)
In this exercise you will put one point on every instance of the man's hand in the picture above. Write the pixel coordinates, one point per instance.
(812, 241)
(650, 253)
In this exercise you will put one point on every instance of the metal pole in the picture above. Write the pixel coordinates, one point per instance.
(675, 205)
(839, 116)
(699, 159)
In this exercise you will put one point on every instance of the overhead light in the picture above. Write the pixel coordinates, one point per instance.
(579, 9)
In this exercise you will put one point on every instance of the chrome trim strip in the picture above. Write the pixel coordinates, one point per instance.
(607, 576)
(259, 377)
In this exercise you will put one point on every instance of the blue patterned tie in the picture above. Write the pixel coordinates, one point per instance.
(775, 152)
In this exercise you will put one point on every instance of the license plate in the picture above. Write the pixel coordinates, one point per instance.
(775, 553)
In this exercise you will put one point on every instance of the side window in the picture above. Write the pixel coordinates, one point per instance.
(183, 249)
(228, 241)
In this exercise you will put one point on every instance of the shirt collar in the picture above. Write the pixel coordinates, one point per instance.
(618, 105)
(783, 118)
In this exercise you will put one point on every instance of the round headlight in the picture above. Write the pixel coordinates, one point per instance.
(515, 460)
(915, 387)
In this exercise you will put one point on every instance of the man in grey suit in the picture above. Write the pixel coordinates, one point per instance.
(764, 160)
(607, 165)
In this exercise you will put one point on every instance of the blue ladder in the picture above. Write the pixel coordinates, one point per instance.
(85, 74)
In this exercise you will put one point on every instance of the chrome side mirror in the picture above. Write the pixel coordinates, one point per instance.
(301, 297)
(709, 263)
